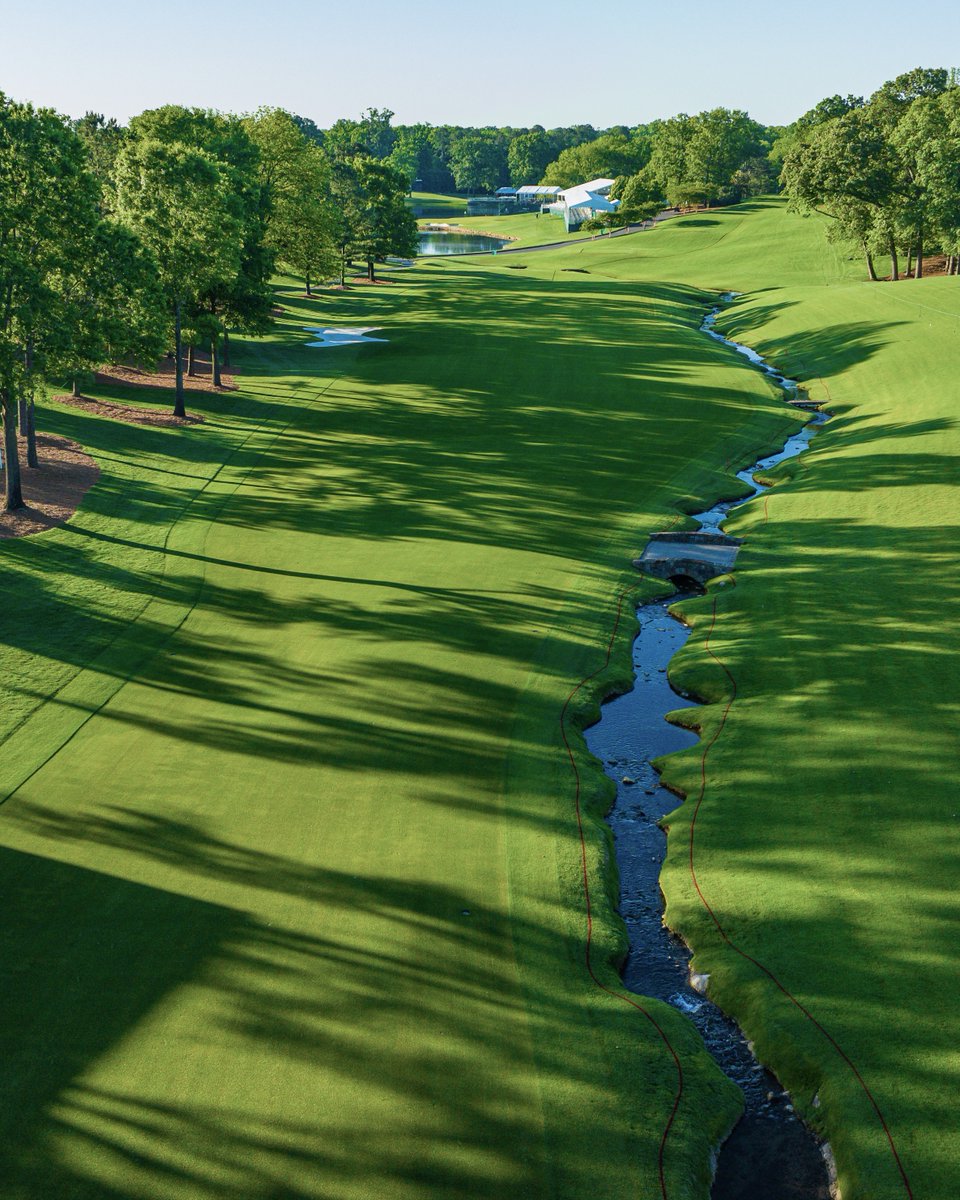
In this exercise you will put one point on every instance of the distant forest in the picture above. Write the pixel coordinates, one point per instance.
(121, 243)
(724, 153)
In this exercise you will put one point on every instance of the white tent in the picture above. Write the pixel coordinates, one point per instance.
(580, 203)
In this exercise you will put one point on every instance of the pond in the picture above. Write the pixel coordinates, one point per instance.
(458, 243)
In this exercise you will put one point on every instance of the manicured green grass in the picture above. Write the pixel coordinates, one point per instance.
(299, 908)
(524, 229)
(826, 843)
(296, 896)
(437, 204)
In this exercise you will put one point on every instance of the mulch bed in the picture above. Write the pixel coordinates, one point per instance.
(126, 412)
(165, 376)
(53, 490)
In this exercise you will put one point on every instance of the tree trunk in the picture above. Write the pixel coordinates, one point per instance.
(871, 269)
(343, 266)
(894, 264)
(13, 495)
(371, 271)
(215, 361)
(22, 416)
(191, 361)
(309, 293)
(920, 252)
(226, 348)
(76, 389)
(909, 261)
(178, 408)
(32, 460)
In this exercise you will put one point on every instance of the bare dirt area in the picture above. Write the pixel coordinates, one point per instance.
(53, 490)
(127, 412)
(165, 376)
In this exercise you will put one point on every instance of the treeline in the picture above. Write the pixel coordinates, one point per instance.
(121, 244)
(885, 170)
(714, 155)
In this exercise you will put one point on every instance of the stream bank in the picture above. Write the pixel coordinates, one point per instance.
(771, 1153)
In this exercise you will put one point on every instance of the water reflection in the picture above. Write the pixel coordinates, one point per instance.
(458, 243)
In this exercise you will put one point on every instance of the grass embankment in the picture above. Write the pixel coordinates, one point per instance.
(827, 839)
(437, 204)
(523, 229)
(294, 900)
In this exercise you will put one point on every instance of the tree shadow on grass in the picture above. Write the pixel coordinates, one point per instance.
(423, 1019)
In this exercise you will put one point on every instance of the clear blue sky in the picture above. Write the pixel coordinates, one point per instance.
(503, 62)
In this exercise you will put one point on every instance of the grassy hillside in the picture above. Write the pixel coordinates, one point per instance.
(825, 843)
(437, 204)
(289, 830)
(297, 905)
(524, 229)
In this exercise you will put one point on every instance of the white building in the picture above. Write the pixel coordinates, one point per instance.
(586, 200)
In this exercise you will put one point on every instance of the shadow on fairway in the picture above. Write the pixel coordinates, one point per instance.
(811, 867)
(89, 957)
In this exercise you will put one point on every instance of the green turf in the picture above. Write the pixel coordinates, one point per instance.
(523, 229)
(308, 859)
(827, 839)
(298, 909)
(437, 204)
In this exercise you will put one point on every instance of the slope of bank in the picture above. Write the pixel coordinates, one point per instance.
(826, 841)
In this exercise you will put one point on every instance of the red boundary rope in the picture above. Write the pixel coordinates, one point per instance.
(708, 746)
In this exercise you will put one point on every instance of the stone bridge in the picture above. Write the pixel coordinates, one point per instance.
(682, 557)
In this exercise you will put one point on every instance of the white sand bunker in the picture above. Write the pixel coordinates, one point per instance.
(343, 337)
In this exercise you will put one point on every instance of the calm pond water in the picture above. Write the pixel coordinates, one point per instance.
(458, 243)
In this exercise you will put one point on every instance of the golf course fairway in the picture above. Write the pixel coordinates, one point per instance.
(294, 891)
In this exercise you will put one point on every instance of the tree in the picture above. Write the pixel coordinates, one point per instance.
(243, 296)
(372, 135)
(639, 199)
(298, 221)
(528, 157)
(704, 157)
(47, 207)
(477, 164)
(102, 139)
(848, 165)
(606, 157)
(112, 306)
(179, 201)
(388, 226)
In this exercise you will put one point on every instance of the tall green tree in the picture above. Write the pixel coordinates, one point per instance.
(298, 220)
(606, 157)
(529, 156)
(245, 297)
(48, 205)
(112, 307)
(477, 164)
(389, 227)
(848, 168)
(179, 200)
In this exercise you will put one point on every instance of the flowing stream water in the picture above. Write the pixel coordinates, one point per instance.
(771, 1154)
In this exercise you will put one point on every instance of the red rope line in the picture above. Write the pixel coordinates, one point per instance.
(625, 999)
(708, 746)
